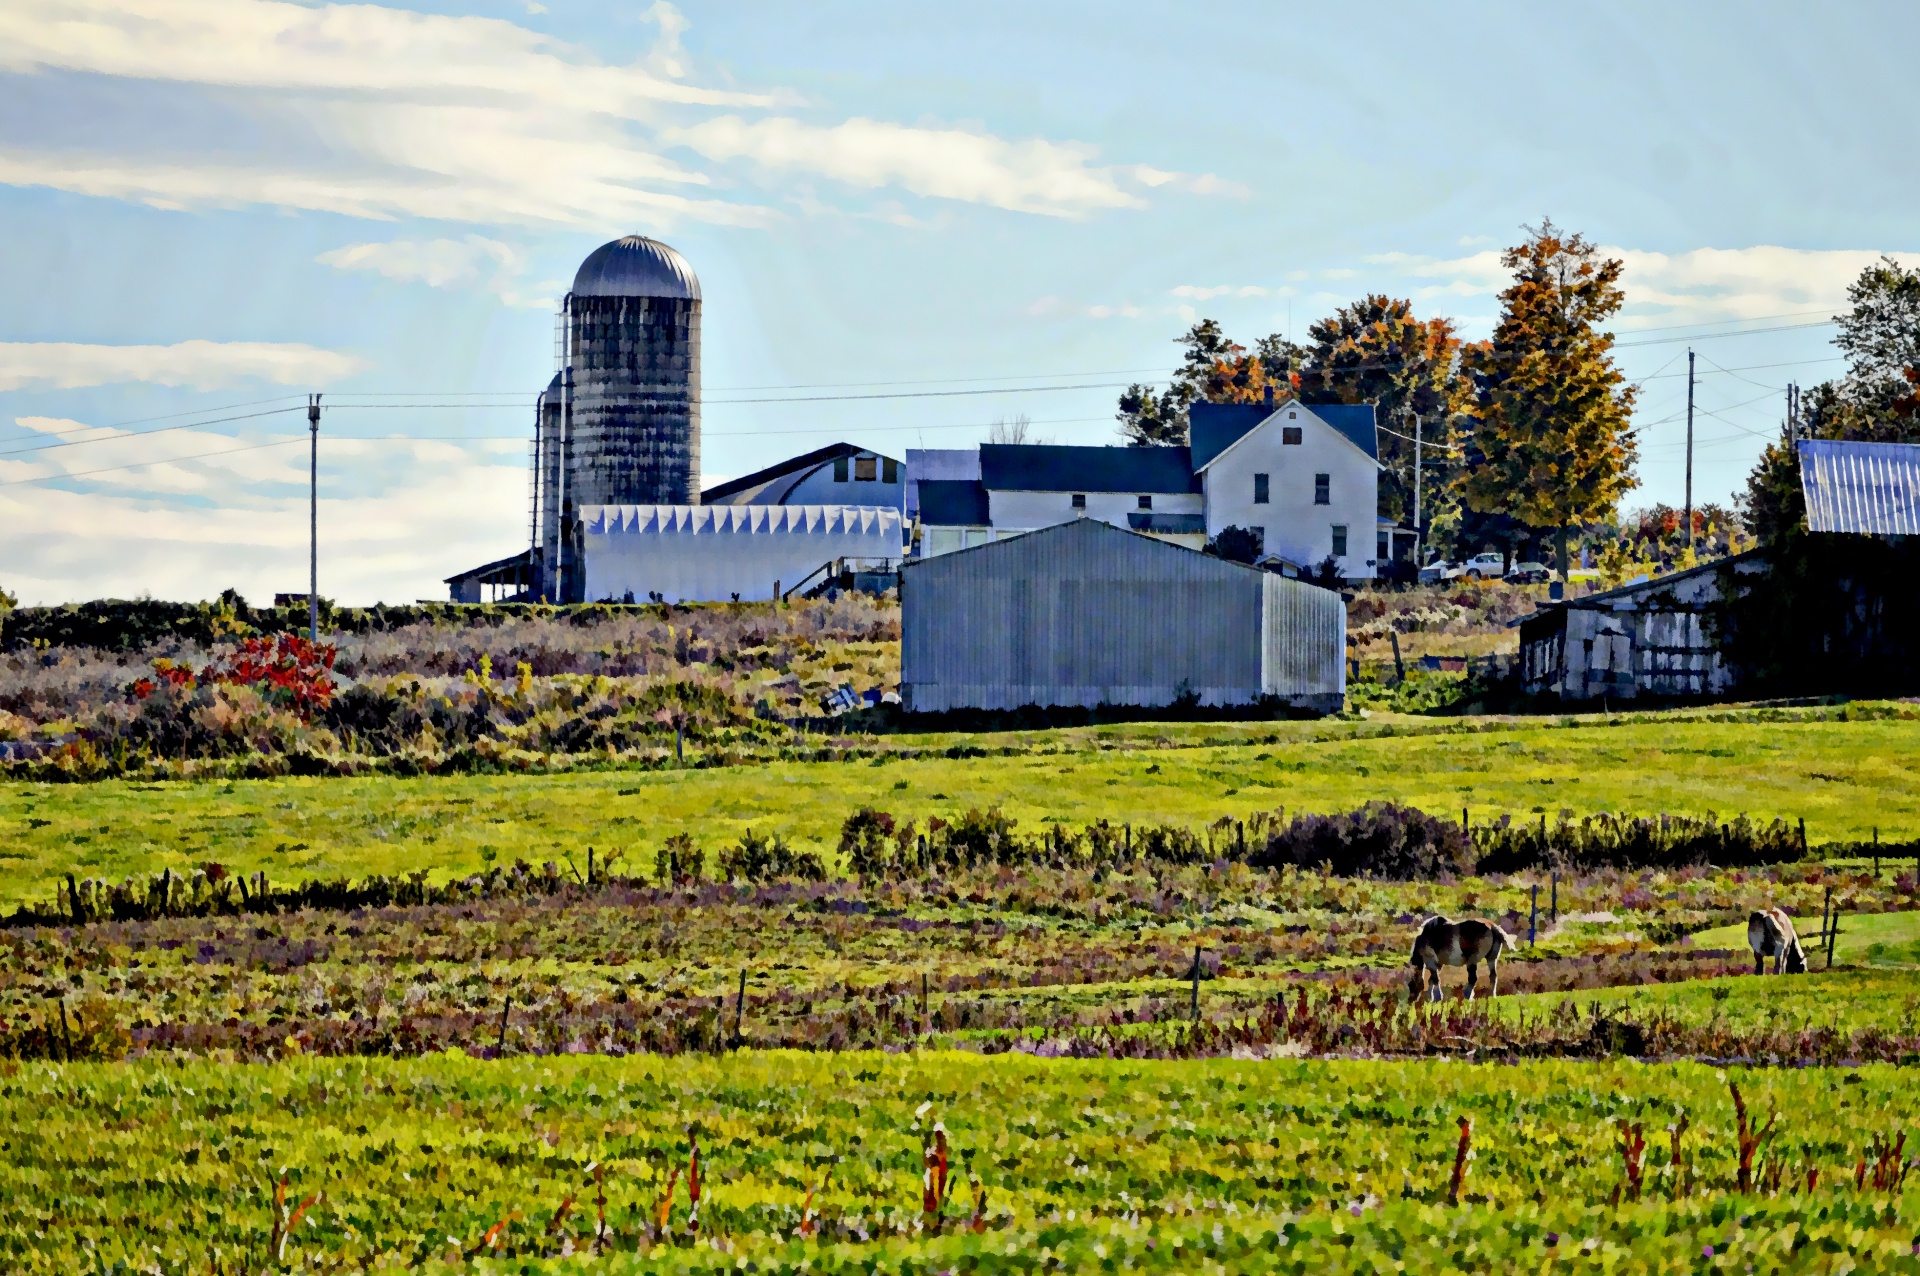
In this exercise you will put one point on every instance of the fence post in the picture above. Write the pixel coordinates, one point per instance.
(739, 1007)
(1803, 836)
(926, 1015)
(500, 1045)
(1826, 913)
(1196, 985)
(1556, 899)
(1129, 841)
(1399, 666)
(1533, 915)
(1240, 834)
(1876, 852)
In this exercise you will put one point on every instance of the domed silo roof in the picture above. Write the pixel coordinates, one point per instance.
(635, 266)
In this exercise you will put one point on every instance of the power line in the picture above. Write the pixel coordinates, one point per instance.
(142, 434)
(141, 465)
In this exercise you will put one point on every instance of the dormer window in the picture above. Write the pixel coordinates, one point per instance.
(839, 469)
(1290, 434)
(866, 469)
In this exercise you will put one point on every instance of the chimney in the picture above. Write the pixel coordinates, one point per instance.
(1269, 394)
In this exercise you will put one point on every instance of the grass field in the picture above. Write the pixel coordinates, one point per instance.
(1845, 778)
(1879, 939)
(1215, 1166)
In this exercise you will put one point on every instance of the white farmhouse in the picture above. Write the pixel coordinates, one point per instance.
(1304, 480)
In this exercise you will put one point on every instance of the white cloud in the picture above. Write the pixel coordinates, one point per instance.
(1704, 285)
(438, 263)
(203, 510)
(203, 365)
(380, 113)
(1034, 176)
(1208, 293)
(1062, 308)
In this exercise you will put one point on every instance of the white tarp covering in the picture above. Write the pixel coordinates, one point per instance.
(710, 553)
(1870, 488)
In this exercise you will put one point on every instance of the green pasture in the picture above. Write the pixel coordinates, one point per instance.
(1843, 999)
(1845, 778)
(1875, 939)
(1217, 1165)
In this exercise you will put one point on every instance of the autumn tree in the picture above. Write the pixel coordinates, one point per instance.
(1550, 442)
(1376, 351)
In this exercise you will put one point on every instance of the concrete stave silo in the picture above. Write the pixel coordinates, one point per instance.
(620, 425)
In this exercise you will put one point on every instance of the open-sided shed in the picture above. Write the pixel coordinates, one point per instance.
(1087, 614)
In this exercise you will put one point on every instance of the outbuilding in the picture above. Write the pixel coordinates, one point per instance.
(717, 553)
(1087, 614)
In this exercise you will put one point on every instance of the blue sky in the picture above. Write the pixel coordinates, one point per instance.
(211, 207)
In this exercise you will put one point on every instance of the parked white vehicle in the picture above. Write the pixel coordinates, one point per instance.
(1438, 572)
(1484, 567)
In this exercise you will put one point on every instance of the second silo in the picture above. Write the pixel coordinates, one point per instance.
(628, 427)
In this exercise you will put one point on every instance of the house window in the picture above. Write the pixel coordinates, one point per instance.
(1259, 489)
(1146, 502)
(1382, 549)
(1290, 434)
(839, 469)
(1339, 540)
(1323, 489)
(890, 471)
(865, 469)
(1079, 500)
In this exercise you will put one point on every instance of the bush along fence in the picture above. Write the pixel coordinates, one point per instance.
(1380, 840)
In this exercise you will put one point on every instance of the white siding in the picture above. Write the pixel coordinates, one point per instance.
(708, 553)
(1297, 529)
(1025, 511)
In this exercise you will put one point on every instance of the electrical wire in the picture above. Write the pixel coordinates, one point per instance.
(142, 434)
(141, 465)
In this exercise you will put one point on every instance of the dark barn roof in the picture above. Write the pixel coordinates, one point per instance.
(1215, 427)
(953, 503)
(1028, 467)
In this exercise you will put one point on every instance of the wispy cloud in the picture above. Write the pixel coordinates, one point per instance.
(202, 365)
(380, 112)
(1704, 285)
(447, 263)
(1062, 308)
(1060, 179)
(202, 509)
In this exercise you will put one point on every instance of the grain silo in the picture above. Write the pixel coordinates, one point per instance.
(620, 425)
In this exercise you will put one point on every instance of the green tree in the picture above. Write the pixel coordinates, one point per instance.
(1214, 369)
(1878, 401)
(1551, 444)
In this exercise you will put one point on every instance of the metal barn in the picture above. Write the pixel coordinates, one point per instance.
(1088, 614)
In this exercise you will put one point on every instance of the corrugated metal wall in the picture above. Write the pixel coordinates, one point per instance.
(1087, 614)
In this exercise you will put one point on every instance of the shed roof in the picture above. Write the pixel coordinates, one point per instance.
(1046, 467)
(1215, 427)
(954, 503)
(1867, 488)
(501, 571)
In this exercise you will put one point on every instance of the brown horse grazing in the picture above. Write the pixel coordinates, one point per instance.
(1771, 934)
(1468, 943)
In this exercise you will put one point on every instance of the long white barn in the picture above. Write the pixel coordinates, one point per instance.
(713, 553)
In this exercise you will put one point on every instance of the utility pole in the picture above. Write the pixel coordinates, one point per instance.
(313, 520)
(1689, 514)
(1419, 530)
